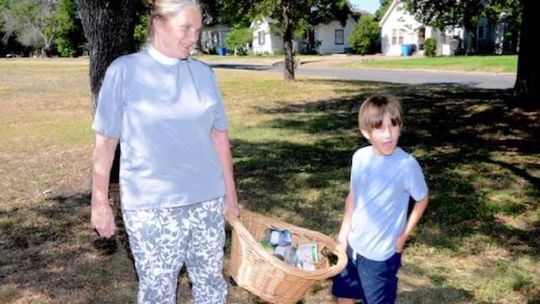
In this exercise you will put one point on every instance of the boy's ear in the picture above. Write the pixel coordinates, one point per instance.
(365, 133)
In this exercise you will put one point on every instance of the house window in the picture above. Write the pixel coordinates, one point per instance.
(261, 38)
(339, 35)
(397, 36)
(421, 38)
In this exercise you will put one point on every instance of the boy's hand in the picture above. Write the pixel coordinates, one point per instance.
(400, 242)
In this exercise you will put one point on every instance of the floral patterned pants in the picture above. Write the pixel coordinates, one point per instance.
(162, 240)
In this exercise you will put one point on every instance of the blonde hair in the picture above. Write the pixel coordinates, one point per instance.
(373, 109)
(166, 8)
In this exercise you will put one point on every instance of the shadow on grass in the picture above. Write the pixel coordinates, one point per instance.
(471, 144)
(478, 152)
(439, 295)
(54, 256)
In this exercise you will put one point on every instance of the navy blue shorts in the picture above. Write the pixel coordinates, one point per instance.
(373, 282)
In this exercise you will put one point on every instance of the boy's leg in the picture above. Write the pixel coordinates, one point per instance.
(346, 285)
(379, 279)
(204, 256)
(157, 259)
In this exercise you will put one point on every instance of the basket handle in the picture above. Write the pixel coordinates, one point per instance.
(236, 223)
(231, 218)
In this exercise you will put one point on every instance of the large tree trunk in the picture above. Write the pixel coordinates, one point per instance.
(287, 42)
(527, 86)
(108, 26)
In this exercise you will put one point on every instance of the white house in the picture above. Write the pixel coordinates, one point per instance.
(399, 27)
(331, 38)
(213, 38)
(265, 40)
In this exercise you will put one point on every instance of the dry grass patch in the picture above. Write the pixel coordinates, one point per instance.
(292, 145)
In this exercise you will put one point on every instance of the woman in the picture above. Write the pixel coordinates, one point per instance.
(176, 173)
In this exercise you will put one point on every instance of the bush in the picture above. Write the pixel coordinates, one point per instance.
(430, 47)
(238, 38)
(365, 37)
(141, 30)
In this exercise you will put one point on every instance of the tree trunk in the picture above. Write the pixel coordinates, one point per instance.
(311, 47)
(527, 86)
(46, 50)
(287, 42)
(108, 26)
(469, 38)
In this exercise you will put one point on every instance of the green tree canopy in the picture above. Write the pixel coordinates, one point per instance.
(32, 22)
(292, 15)
(70, 36)
(365, 36)
(385, 4)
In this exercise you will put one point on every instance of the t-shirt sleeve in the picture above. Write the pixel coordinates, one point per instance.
(220, 123)
(108, 116)
(415, 183)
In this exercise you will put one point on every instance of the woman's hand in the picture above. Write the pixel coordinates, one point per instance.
(102, 219)
(231, 208)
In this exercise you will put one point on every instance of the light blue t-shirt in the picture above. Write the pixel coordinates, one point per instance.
(381, 187)
(163, 110)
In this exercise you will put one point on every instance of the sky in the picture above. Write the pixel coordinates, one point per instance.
(367, 5)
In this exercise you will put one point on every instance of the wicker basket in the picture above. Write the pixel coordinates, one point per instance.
(268, 277)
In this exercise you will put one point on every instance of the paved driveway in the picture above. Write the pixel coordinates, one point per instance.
(459, 79)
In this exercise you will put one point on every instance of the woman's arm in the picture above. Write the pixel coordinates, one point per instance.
(223, 149)
(102, 217)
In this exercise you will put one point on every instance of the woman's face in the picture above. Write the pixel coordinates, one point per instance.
(176, 35)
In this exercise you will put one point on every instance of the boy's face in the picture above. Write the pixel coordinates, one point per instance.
(385, 138)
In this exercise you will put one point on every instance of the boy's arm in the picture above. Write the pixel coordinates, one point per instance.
(346, 223)
(414, 218)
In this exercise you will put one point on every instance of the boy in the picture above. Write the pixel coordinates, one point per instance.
(375, 225)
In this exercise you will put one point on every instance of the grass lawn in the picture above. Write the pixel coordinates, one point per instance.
(479, 241)
(492, 64)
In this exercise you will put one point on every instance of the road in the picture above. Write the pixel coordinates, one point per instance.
(459, 79)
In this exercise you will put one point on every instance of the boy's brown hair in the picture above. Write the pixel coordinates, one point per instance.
(372, 110)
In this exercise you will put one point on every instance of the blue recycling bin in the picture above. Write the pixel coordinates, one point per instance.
(222, 51)
(406, 49)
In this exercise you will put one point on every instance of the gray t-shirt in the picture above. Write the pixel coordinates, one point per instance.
(163, 110)
(382, 186)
